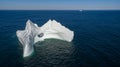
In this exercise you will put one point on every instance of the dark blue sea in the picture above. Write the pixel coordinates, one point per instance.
(96, 42)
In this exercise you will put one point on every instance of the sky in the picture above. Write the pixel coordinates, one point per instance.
(59, 4)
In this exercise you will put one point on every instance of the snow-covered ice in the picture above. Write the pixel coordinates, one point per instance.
(33, 34)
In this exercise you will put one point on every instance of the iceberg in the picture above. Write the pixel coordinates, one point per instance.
(33, 34)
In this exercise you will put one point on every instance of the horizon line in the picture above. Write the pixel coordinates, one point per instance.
(60, 9)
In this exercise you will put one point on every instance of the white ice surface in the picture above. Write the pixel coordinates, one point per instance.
(51, 29)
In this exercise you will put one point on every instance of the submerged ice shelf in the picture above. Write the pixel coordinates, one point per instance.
(33, 34)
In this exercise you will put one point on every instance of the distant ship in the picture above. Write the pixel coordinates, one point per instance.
(80, 10)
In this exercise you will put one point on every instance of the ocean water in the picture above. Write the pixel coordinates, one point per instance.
(96, 42)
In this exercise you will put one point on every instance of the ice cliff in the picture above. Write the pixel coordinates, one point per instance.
(33, 34)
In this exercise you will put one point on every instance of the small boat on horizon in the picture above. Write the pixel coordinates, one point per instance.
(80, 10)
